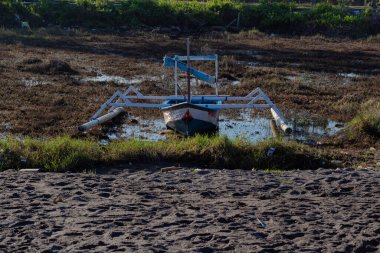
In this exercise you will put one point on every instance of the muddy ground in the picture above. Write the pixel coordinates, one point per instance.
(312, 76)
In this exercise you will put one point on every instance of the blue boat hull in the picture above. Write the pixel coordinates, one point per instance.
(189, 119)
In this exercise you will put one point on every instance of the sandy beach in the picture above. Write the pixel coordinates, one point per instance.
(190, 210)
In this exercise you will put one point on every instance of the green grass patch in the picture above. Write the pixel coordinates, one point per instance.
(56, 154)
(268, 16)
(69, 154)
(366, 122)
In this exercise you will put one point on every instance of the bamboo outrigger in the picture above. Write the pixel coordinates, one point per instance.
(188, 114)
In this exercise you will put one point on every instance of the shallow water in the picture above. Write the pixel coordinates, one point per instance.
(350, 75)
(119, 79)
(244, 126)
(313, 129)
(194, 82)
(32, 82)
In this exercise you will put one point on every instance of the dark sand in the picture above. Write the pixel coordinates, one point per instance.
(188, 211)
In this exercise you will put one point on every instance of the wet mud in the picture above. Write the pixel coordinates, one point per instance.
(316, 76)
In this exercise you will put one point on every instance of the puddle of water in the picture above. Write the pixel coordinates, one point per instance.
(313, 130)
(146, 129)
(120, 80)
(235, 83)
(245, 52)
(357, 74)
(252, 128)
(194, 82)
(291, 78)
(5, 135)
(350, 75)
(8, 126)
(251, 63)
(315, 78)
(354, 74)
(32, 82)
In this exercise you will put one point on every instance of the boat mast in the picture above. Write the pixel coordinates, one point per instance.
(216, 75)
(176, 75)
(188, 70)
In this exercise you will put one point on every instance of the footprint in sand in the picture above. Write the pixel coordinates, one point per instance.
(104, 194)
(205, 250)
(224, 220)
(208, 194)
(115, 234)
(98, 232)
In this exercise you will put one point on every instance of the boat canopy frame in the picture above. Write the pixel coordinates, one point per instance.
(178, 63)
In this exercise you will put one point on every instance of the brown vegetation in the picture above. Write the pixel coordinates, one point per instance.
(315, 76)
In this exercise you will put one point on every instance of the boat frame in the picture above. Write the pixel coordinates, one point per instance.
(132, 97)
(119, 101)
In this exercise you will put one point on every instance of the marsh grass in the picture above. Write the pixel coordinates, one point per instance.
(374, 38)
(366, 122)
(68, 154)
(228, 62)
(6, 32)
(56, 154)
(253, 33)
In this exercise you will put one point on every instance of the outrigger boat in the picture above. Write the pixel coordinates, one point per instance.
(190, 114)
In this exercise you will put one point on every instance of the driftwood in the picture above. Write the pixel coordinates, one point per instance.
(29, 170)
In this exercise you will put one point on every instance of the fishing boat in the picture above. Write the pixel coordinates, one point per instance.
(187, 114)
